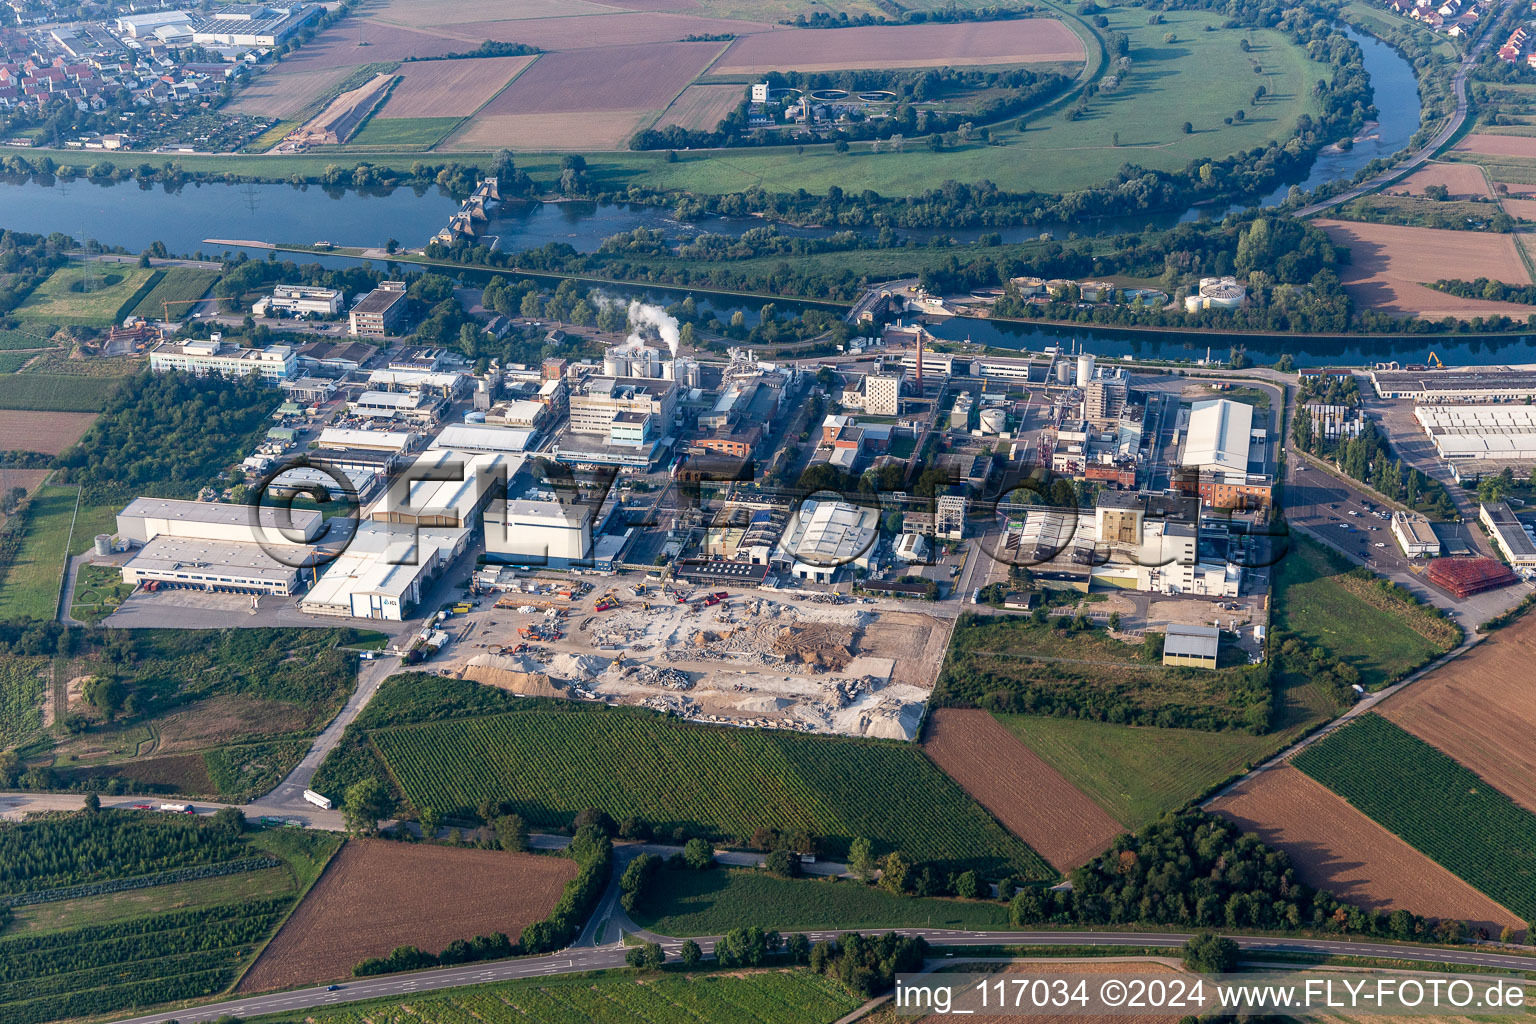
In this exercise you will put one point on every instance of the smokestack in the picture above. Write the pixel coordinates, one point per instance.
(919, 362)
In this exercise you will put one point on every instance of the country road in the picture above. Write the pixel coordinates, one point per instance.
(575, 960)
(1424, 152)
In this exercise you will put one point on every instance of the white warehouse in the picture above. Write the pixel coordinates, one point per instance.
(1506, 432)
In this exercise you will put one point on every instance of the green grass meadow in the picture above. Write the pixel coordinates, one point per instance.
(685, 902)
(405, 132)
(55, 392)
(114, 288)
(1313, 602)
(1138, 773)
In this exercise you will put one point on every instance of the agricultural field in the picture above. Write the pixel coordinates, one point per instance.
(1335, 847)
(403, 132)
(377, 895)
(1018, 41)
(1324, 601)
(87, 294)
(701, 108)
(55, 392)
(1481, 710)
(1462, 181)
(1436, 805)
(281, 93)
(551, 764)
(178, 286)
(1390, 263)
(449, 88)
(773, 996)
(123, 910)
(28, 336)
(28, 480)
(1136, 773)
(1520, 146)
(684, 902)
(1025, 793)
(46, 432)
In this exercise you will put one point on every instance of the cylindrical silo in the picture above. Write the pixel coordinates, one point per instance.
(103, 543)
(1084, 369)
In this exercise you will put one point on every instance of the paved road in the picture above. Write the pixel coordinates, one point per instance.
(1424, 152)
(574, 960)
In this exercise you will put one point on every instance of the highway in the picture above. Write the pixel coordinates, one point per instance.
(575, 960)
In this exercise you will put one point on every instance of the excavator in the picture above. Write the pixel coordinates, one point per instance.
(1435, 362)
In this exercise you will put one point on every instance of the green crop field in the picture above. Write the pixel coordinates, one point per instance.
(55, 392)
(10, 362)
(1436, 805)
(756, 997)
(404, 132)
(130, 910)
(29, 582)
(87, 294)
(30, 336)
(553, 764)
(1318, 599)
(684, 902)
(1138, 773)
(178, 286)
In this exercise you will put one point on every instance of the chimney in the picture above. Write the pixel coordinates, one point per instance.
(920, 333)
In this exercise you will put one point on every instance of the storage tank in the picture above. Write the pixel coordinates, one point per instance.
(616, 362)
(103, 543)
(1084, 369)
(474, 417)
(994, 421)
(1064, 371)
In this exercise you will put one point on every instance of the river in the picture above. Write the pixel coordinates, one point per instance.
(133, 215)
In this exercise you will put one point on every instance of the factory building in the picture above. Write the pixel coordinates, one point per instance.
(1514, 538)
(297, 298)
(384, 571)
(523, 532)
(444, 489)
(211, 358)
(217, 547)
(1503, 432)
(882, 393)
(366, 440)
(1415, 534)
(1216, 293)
(1479, 384)
(1217, 456)
(1191, 646)
(381, 312)
(409, 406)
(432, 383)
(478, 437)
(824, 536)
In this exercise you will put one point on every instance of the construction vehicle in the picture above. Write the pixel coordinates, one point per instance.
(1434, 361)
(721, 595)
(604, 604)
(711, 601)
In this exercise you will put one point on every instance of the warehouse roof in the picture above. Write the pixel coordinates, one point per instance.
(1219, 435)
(211, 559)
(345, 437)
(222, 514)
(1191, 641)
(478, 437)
(830, 532)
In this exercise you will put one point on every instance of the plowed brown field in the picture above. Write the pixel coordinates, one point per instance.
(46, 432)
(1481, 710)
(609, 79)
(1032, 799)
(377, 894)
(449, 88)
(1463, 180)
(1499, 145)
(701, 108)
(1335, 847)
(281, 93)
(1391, 262)
(902, 46)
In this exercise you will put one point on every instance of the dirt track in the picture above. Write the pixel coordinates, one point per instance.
(1032, 799)
(378, 894)
(1335, 847)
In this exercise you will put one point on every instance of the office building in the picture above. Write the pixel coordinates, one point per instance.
(882, 393)
(210, 358)
(293, 299)
(380, 313)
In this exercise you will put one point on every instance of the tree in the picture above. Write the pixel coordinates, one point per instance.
(649, 956)
(966, 885)
(594, 816)
(745, 947)
(230, 819)
(1188, 128)
(861, 858)
(799, 948)
(894, 870)
(366, 801)
(783, 863)
(1210, 953)
(431, 822)
(392, 246)
(106, 694)
(698, 854)
(690, 953)
(511, 833)
(92, 803)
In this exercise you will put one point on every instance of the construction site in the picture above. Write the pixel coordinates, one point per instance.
(805, 661)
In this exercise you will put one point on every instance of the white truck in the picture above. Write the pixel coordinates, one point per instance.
(177, 808)
(322, 802)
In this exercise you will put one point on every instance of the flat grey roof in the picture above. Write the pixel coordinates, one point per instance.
(222, 514)
(210, 559)
(377, 301)
(1192, 641)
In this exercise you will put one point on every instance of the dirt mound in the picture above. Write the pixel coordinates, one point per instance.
(511, 674)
